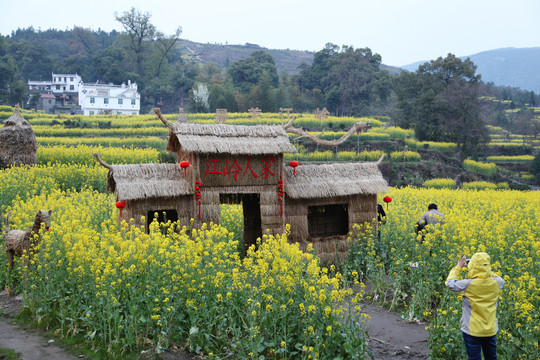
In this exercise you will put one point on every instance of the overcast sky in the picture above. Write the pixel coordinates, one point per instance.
(401, 31)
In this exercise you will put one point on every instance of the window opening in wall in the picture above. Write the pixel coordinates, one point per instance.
(162, 217)
(328, 220)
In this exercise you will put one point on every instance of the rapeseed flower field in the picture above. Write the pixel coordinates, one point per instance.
(118, 288)
(503, 223)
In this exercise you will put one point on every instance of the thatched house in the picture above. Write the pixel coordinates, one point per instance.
(325, 201)
(18, 144)
(219, 163)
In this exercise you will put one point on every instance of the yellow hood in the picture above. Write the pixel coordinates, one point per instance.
(479, 266)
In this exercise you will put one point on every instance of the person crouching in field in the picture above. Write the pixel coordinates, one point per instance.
(431, 217)
(480, 294)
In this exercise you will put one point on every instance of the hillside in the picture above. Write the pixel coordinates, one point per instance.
(514, 67)
(224, 55)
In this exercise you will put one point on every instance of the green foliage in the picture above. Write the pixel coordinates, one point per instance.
(8, 354)
(349, 79)
(440, 101)
(246, 74)
(165, 157)
(535, 167)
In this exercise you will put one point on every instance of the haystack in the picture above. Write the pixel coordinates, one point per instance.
(18, 144)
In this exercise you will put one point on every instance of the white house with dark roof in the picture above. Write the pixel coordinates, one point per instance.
(109, 99)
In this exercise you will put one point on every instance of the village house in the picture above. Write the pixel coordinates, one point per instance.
(109, 99)
(68, 94)
(58, 96)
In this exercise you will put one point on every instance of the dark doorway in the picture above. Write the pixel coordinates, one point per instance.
(251, 209)
(328, 220)
(162, 217)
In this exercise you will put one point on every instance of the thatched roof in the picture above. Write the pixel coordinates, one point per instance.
(18, 144)
(140, 181)
(331, 180)
(229, 139)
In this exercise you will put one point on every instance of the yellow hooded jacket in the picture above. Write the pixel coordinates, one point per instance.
(480, 294)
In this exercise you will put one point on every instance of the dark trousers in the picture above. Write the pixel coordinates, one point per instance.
(476, 345)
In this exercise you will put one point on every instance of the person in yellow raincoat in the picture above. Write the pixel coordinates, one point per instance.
(480, 294)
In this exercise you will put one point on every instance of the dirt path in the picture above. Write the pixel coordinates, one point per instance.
(28, 343)
(390, 336)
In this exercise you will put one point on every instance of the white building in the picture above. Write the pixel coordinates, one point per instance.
(60, 84)
(101, 99)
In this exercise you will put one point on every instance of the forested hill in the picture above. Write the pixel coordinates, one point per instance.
(224, 55)
(286, 60)
(514, 67)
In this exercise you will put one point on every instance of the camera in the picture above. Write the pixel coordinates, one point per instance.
(467, 261)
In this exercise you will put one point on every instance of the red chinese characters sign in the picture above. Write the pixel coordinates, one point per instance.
(281, 193)
(239, 170)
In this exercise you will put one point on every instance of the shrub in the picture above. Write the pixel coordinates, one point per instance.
(404, 156)
(440, 184)
(480, 167)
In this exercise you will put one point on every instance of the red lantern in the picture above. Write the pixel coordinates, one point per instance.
(294, 164)
(387, 200)
(120, 205)
(184, 165)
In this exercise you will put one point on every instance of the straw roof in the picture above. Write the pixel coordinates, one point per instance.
(18, 144)
(331, 180)
(140, 181)
(229, 139)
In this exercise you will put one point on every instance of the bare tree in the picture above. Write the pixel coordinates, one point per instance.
(165, 44)
(139, 29)
(87, 39)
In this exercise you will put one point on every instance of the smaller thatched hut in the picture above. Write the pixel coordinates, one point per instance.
(325, 201)
(150, 188)
(18, 144)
